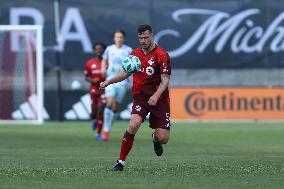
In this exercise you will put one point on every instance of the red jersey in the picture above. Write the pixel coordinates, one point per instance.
(148, 79)
(93, 71)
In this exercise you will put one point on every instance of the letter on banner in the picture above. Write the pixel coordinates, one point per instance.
(15, 15)
(73, 17)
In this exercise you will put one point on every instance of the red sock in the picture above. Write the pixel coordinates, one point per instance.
(99, 119)
(126, 145)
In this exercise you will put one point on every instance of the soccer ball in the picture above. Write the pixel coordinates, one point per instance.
(131, 64)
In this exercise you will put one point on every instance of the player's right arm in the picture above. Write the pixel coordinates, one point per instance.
(104, 65)
(87, 73)
(122, 75)
(105, 61)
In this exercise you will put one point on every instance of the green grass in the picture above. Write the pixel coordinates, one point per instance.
(199, 155)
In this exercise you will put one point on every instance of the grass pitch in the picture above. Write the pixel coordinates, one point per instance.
(199, 156)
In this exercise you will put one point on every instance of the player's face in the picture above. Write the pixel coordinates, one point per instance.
(118, 39)
(145, 39)
(99, 50)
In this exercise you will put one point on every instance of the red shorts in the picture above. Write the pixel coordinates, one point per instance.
(97, 100)
(159, 114)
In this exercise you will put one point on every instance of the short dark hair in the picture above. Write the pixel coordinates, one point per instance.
(144, 27)
(98, 43)
(119, 31)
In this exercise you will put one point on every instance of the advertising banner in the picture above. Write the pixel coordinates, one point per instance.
(231, 34)
(199, 35)
(236, 103)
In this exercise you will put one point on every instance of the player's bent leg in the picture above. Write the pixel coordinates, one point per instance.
(108, 116)
(120, 92)
(93, 116)
(115, 108)
(160, 121)
(127, 140)
(93, 111)
(162, 135)
(99, 122)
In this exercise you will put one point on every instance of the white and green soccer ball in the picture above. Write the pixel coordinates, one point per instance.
(131, 64)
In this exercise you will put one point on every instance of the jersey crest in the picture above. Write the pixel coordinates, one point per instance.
(151, 61)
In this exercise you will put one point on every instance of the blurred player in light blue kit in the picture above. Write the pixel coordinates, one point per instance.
(115, 93)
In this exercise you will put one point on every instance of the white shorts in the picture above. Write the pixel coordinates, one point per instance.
(116, 91)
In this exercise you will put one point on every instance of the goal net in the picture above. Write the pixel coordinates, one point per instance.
(21, 74)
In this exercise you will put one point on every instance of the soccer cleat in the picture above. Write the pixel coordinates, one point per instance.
(99, 138)
(158, 148)
(118, 166)
(105, 136)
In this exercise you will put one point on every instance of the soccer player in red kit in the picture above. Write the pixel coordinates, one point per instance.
(95, 75)
(150, 94)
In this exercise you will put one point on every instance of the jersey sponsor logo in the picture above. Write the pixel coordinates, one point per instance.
(93, 66)
(150, 70)
(138, 108)
(151, 61)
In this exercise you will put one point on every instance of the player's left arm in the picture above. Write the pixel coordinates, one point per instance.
(87, 73)
(165, 70)
(162, 87)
